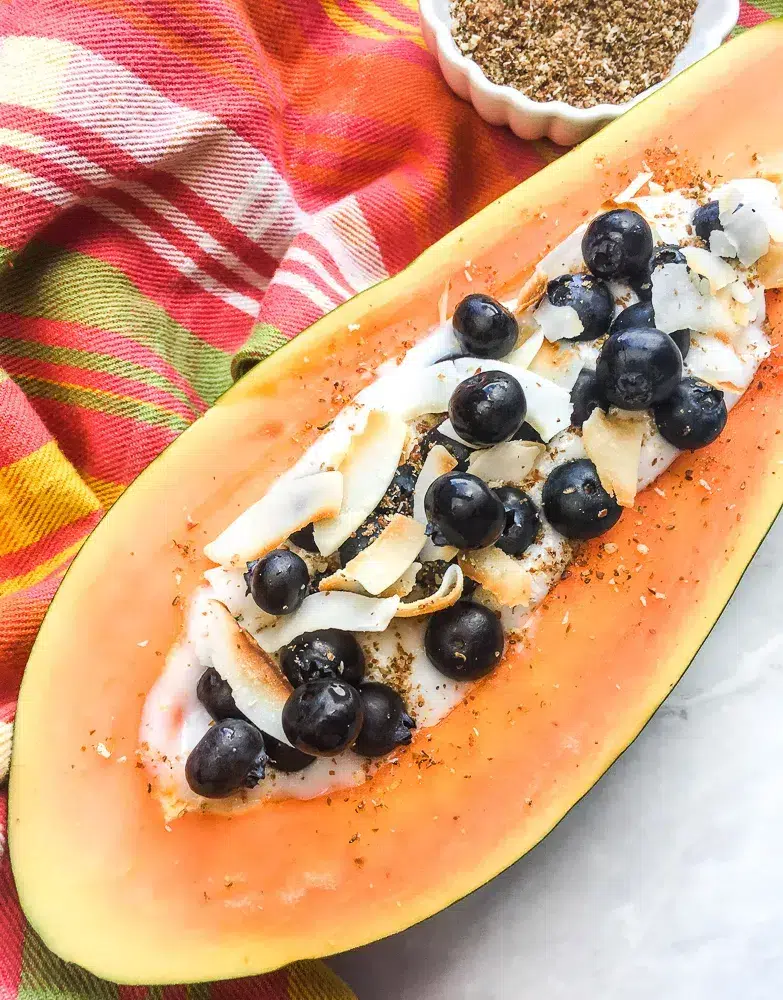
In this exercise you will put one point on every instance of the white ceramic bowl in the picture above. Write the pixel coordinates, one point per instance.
(565, 124)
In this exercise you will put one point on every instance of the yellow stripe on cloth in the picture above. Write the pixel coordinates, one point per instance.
(106, 492)
(316, 981)
(39, 494)
(34, 576)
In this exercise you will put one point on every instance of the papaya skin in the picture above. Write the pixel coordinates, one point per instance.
(101, 878)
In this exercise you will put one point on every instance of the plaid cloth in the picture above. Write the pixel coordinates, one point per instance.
(185, 185)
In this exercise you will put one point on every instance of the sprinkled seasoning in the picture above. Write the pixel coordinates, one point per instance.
(583, 52)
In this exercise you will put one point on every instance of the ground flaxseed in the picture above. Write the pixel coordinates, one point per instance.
(583, 52)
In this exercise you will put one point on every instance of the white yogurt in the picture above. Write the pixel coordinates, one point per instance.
(174, 720)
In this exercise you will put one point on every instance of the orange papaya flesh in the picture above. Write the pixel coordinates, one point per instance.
(101, 877)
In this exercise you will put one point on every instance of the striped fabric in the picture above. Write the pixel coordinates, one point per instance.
(184, 185)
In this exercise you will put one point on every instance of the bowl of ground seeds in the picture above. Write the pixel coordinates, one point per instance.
(564, 68)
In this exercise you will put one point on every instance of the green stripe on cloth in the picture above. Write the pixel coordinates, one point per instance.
(103, 402)
(264, 340)
(46, 977)
(62, 285)
(107, 364)
(199, 991)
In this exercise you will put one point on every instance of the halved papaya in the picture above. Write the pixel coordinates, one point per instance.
(101, 877)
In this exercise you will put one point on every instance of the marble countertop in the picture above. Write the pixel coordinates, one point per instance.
(665, 881)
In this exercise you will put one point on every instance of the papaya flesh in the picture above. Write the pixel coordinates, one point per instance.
(111, 887)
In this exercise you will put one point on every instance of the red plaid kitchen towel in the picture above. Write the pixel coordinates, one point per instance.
(183, 183)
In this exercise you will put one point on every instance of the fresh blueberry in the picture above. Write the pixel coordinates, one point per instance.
(693, 415)
(638, 367)
(465, 641)
(575, 502)
(585, 396)
(484, 328)
(666, 253)
(617, 244)
(463, 511)
(706, 220)
(487, 408)
(522, 521)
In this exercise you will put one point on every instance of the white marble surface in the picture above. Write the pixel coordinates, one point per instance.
(666, 881)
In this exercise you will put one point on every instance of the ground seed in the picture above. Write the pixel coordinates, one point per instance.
(583, 52)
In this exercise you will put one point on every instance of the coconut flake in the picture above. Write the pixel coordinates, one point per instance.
(338, 609)
(718, 273)
(744, 225)
(679, 305)
(383, 561)
(740, 292)
(367, 470)
(532, 290)
(509, 462)
(437, 553)
(770, 267)
(565, 258)
(405, 584)
(614, 446)
(714, 361)
(438, 462)
(523, 355)
(448, 593)
(499, 573)
(289, 505)
(722, 244)
(257, 685)
(447, 430)
(558, 322)
(560, 363)
(230, 588)
(633, 188)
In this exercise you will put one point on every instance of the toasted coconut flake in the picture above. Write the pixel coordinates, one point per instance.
(740, 292)
(350, 612)
(366, 471)
(259, 688)
(558, 322)
(770, 267)
(717, 272)
(532, 290)
(447, 429)
(614, 446)
(499, 573)
(384, 560)
(633, 188)
(448, 593)
(509, 462)
(438, 462)
(715, 361)
(740, 312)
(431, 552)
(679, 304)
(525, 353)
(405, 584)
(560, 363)
(426, 390)
(289, 505)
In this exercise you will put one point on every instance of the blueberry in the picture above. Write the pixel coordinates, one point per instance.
(642, 314)
(633, 317)
(618, 244)
(284, 758)
(638, 367)
(706, 220)
(522, 522)
(666, 253)
(463, 511)
(386, 722)
(228, 757)
(527, 433)
(278, 582)
(323, 717)
(589, 297)
(465, 641)
(484, 328)
(585, 396)
(575, 502)
(693, 415)
(326, 652)
(305, 539)
(487, 408)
